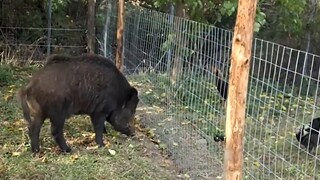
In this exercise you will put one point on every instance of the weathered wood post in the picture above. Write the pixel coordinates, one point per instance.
(91, 36)
(120, 29)
(238, 85)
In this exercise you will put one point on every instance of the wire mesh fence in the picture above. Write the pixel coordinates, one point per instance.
(181, 67)
(36, 30)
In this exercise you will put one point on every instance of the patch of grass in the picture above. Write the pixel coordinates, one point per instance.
(136, 158)
(127, 163)
(6, 76)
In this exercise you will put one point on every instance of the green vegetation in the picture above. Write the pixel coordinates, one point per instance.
(283, 21)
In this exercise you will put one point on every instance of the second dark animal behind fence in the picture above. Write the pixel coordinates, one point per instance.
(222, 85)
(308, 134)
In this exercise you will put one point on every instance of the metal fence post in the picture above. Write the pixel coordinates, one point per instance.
(170, 50)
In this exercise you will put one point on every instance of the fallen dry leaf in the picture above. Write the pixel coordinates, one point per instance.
(112, 152)
(16, 153)
(74, 157)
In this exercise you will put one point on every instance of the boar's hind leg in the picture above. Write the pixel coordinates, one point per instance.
(34, 131)
(99, 128)
(57, 124)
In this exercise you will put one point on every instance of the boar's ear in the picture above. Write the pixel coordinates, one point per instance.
(134, 92)
(133, 100)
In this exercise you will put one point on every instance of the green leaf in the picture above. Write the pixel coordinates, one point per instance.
(256, 27)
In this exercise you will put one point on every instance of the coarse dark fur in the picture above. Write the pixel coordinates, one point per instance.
(308, 134)
(219, 137)
(87, 84)
(222, 86)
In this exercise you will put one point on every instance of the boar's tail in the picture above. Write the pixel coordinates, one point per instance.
(22, 96)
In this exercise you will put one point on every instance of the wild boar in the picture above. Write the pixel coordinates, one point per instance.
(86, 84)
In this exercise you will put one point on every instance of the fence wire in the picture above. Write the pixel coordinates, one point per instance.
(178, 64)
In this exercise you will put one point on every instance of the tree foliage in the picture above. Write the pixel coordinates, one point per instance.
(215, 12)
(275, 19)
(285, 16)
(26, 22)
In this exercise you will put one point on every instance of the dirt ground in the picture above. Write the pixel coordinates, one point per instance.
(187, 149)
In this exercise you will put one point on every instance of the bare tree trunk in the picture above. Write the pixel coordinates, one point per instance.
(107, 51)
(120, 29)
(180, 41)
(91, 36)
(238, 85)
(313, 7)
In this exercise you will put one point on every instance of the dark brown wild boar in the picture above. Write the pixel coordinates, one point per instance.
(87, 84)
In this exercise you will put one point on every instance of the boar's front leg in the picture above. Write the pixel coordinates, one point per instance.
(33, 132)
(99, 128)
(104, 129)
(57, 124)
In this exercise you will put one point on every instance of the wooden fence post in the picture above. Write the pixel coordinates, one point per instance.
(238, 85)
(91, 36)
(120, 29)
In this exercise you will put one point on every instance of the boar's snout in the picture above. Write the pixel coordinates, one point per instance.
(131, 132)
(125, 129)
(123, 122)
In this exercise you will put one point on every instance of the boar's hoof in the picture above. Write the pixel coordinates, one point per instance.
(66, 149)
(100, 145)
(35, 150)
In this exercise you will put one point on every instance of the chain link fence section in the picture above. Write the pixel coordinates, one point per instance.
(176, 64)
(38, 29)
